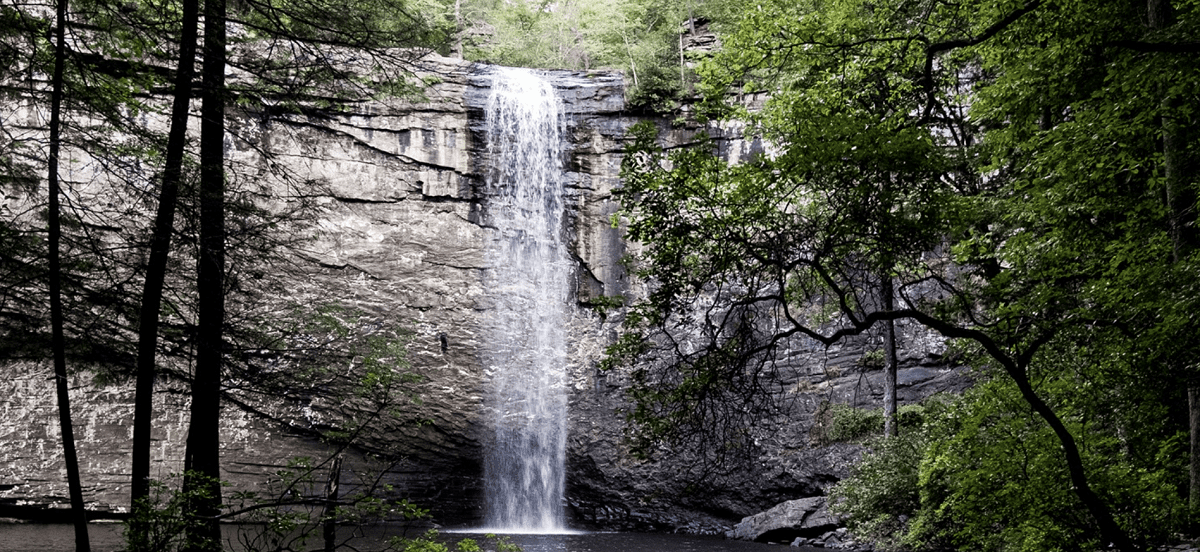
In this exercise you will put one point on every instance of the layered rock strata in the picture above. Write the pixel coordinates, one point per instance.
(398, 234)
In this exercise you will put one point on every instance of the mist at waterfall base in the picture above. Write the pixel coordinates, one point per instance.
(525, 355)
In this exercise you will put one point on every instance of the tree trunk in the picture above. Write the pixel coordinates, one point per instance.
(1178, 171)
(164, 223)
(891, 426)
(682, 66)
(456, 49)
(1111, 534)
(329, 517)
(1182, 202)
(1193, 393)
(58, 340)
(203, 445)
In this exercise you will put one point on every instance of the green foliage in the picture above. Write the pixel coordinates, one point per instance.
(606, 302)
(882, 494)
(429, 542)
(840, 423)
(1009, 166)
(983, 473)
(785, 237)
(873, 359)
(659, 87)
(164, 517)
(846, 423)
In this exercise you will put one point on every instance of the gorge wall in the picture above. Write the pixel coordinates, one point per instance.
(398, 234)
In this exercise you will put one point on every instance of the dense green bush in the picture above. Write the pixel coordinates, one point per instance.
(983, 472)
(658, 89)
(882, 494)
(839, 423)
(846, 423)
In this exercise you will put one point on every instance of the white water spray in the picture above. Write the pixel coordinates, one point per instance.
(528, 274)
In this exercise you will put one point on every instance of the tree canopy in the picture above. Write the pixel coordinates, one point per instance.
(1025, 173)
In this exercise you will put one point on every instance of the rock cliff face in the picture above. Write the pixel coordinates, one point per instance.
(398, 234)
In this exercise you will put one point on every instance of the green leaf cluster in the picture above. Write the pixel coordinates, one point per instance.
(429, 542)
(982, 472)
(163, 519)
(839, 423)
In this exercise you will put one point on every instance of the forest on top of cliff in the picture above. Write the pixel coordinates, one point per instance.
(646, 39)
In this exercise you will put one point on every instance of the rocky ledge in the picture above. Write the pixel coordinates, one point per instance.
(804, 522)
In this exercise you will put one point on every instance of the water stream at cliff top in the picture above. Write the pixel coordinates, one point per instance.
(528, 273)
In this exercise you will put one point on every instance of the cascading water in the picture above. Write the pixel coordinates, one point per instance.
(525, 357)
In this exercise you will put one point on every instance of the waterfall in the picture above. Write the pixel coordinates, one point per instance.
(527, 276)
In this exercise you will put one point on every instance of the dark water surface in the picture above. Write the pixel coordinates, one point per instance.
(44, 537)
(106, 537)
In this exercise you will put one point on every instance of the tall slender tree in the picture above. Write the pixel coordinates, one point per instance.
(58, 341)
(891, 425)
(156, 268)
(204, 440)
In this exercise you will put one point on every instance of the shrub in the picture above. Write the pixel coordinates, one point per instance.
(836, 423)
(983, 472)
(881, 495)
(872, 360)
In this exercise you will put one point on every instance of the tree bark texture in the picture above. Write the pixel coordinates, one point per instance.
(1193, 394)
(329, 521)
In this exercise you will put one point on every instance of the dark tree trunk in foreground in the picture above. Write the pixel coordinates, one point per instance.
(58, 341)
(156, 269)
(203, 454)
